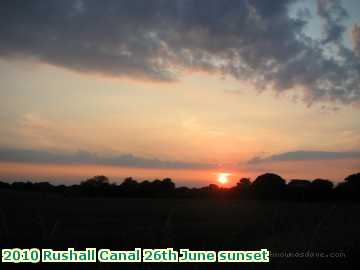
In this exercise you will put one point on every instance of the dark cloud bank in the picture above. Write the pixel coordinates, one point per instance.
(256, 40)
(306, 155)
(83, 157)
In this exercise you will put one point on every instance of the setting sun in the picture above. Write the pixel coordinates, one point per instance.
(223, 178)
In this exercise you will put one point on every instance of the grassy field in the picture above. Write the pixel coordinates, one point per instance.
(52, 221)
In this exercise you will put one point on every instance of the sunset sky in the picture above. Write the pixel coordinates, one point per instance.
(182, 89)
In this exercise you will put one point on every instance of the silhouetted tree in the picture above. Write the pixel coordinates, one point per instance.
(4, 185)
(243, 184)
(320, 189)
(350, 189)
(322, 184)
(22, 185)
(144, 188)
(299, 183)
(297, 189)
(163, 187)
(129, 186)
(129, 181)
(95, 182)
(43, 186)
(353, 179)
(213, 187)
(167, 184)
(269, 186)
(184, 192)
(243, 188)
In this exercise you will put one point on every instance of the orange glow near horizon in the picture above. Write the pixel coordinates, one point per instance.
(74, 173)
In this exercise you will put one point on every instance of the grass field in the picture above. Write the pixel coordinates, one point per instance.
(47, 220)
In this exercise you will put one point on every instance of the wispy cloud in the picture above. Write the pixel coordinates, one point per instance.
(306, 155)
(250, 40)
(83, 157)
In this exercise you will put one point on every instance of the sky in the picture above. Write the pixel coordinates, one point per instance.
(183, 89)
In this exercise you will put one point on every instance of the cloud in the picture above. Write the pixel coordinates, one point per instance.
(332, 15)
(83, 157)
(250, 40)
(306, 155)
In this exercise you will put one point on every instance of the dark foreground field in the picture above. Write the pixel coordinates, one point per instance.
(31, 219)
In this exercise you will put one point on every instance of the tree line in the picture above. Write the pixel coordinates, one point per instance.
(267, 186)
